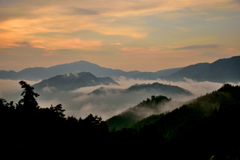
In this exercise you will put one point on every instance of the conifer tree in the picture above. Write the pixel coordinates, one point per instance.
(28, 103)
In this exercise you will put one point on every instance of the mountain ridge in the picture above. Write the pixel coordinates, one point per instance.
(72, 81)
(222, 70)
(151, 88)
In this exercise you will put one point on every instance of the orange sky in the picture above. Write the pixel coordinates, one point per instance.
(129, 34)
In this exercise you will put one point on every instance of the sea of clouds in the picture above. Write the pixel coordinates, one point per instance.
(80, 103)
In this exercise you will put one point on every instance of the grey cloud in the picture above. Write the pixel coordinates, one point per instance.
(199, 47)
(83, 11)
(215, 55)
(8, 14)
(236, 1)
(8, 3)
(24, 43)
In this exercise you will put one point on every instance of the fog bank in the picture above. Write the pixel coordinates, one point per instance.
(80, 104)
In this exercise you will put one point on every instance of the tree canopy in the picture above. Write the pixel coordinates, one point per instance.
(206, 128)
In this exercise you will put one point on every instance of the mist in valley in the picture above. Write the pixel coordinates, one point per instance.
(81, 103)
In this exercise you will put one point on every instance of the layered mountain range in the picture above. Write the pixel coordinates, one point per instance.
(222, 70)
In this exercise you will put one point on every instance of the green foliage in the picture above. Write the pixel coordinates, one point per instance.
(133, 115)
(153, 101)
(147, 121)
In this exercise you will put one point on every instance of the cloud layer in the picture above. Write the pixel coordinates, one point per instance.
(80, 104)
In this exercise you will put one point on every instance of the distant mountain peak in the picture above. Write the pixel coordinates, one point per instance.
(222, 70)
(72, 81)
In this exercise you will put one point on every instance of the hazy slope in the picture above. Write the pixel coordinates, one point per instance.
(196, 110)
(155, 75)
(75, 67)
(147, 89)
(72, 81)
(38, 73)
(206, 127)
(203, 129)
(222, 70)
(138, 112)
(157, 104)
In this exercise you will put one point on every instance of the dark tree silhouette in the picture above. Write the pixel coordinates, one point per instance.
(28, 102)
(184, 133)
(58, 110)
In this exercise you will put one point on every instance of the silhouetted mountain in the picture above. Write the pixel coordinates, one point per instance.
(39, 73)
(155, 75)
(158, 88)
(8, 74)
(149, 89)
(222, 70)
(71, 81)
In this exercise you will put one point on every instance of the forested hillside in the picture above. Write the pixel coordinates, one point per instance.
(133, 115)
(201, 129)
(206, 128)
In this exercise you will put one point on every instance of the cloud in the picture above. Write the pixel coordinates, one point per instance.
(48, 89)
(82, 11)
(142, 50)
(80, 104)
(112, 103)
(143, 112)
(11, 89)
(199, 47)
(74, 43)
(115, 44)
(216, 18)
(24, 43)
(66, 17)
(8, 86)
(124, 31)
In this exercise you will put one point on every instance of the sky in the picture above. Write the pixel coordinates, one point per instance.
(144, 35)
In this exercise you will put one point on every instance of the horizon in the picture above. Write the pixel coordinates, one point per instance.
(128, 35)
(116, 68)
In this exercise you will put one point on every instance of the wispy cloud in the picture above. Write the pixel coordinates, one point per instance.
(105, 27)
(199, 47)
(142, 51)
(82, 11)
(216, 18)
